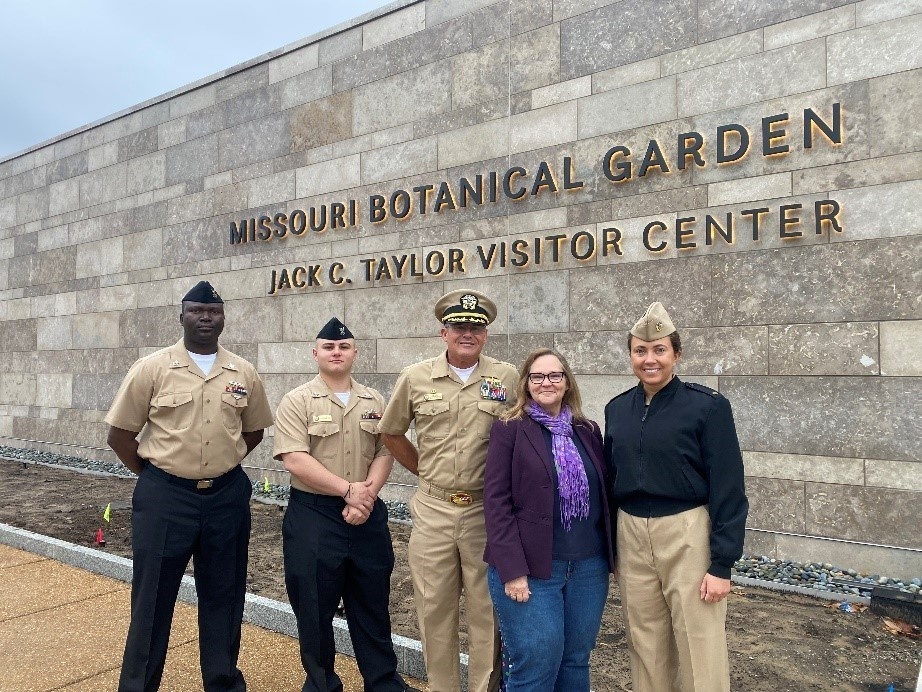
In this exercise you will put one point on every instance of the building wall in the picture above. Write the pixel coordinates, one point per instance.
(814, 338)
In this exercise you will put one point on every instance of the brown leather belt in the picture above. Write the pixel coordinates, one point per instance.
(461, 498)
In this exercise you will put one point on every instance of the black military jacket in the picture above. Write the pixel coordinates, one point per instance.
(679, 453)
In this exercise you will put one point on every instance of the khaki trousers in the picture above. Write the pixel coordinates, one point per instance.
(446, 558)
(676, 641)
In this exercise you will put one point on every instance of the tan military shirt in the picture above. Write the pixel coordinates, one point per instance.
(344, 439)
(453, 419)
(191, 424)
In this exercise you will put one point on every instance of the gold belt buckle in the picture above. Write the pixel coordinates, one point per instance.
(462, 499)
(204, 485)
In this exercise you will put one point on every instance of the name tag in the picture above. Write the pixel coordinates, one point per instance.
(433, 396)
(323, 418)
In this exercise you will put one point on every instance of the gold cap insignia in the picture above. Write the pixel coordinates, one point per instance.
(655, 324)
(465, 306)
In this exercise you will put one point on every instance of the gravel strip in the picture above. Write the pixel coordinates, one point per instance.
(812, 576)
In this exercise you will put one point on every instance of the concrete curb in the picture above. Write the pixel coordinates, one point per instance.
(800, 590)
(258, 610)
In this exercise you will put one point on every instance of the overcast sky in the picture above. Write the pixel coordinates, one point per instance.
(67, 63)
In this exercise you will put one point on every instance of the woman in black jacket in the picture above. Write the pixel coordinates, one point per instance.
(678, 483)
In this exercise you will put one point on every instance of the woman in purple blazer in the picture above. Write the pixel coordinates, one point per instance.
(549, 542)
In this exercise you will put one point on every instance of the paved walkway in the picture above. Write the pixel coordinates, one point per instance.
(62, 628)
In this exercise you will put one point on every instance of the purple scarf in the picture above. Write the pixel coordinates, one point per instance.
(572, 483)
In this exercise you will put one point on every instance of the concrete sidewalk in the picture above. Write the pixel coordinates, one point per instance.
(63, 628)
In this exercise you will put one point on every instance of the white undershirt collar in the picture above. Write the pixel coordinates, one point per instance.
(463, 373)
(204, 363)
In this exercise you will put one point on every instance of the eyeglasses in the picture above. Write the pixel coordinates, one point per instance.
(553, 377)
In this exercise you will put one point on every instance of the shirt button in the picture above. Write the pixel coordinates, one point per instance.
(207, 401)
(208, 420)
(207, 442)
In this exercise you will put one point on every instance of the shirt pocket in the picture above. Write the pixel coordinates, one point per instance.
(432, 419)
(488, 411)
(369, 435)
(232, 410)
(322, 429)
(174, 410)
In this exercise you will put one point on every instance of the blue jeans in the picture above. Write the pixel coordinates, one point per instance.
(548, 638)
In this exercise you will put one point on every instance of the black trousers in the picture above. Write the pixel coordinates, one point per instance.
(172, 521)
(326, 560)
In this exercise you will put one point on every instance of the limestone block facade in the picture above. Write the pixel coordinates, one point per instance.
(756, 167)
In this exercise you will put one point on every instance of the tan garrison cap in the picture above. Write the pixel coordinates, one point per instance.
(465, 306)
(655, 324)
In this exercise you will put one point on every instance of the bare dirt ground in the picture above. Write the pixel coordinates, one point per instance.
(778, 642)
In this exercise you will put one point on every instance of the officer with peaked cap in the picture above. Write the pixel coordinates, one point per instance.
(678, 470)
(336, 541)
(453, 399)
(183, 420)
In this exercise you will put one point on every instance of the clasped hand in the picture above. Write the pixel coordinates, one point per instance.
(360, 500)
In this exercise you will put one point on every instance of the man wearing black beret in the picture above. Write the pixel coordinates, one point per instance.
(335, 537)
(183, 420)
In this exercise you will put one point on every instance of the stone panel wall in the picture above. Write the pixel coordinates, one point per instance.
(813, 337)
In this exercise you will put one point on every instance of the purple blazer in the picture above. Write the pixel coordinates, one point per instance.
(518, 497)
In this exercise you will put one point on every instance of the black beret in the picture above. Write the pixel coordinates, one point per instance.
(202, 292)
(334, 330)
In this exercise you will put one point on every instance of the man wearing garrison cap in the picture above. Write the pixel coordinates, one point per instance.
(335, 537)
(183, 420)
(453, 399)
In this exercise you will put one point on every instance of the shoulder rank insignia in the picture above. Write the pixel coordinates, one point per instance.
(492, 388)
(175, 364)
(237, 389)
(230, 366)
(701, 388)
